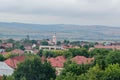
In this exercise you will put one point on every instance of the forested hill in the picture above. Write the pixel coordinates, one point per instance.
(63, 31)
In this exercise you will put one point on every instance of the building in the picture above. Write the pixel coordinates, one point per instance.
(113, 47)
(50, 47)
(57, 63)
(14, 61)
(82, 60)
(17, 51)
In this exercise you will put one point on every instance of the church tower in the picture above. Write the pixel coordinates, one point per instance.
(54, 39)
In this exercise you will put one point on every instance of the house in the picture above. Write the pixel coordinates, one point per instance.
(82, 60)
(4, 53)
(113, 47)
(5, 69)
(28, 46)
(67, 46)
(13, 62)
(6, 45)
(58, 63)
(17, 51)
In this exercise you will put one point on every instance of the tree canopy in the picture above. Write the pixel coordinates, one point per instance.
(34, 69)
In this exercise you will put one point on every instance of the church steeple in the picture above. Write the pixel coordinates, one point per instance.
(54, 40)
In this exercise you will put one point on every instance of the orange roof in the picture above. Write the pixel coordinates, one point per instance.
(3, 53)
(0, 77)
(67, 46)
(82, 60)
(28, 47)
(57, 62)
(7, 45)
(12, 62)
(17, 51)
(107, 47)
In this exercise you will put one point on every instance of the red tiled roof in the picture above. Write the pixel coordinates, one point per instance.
(17, 51)
(7, 45)
(67, 46)
(82, 60)
(3, 53)
(35, 51)
(107, 47)
(28, 47)
(12, 62)
(0, 77)
(57, 62)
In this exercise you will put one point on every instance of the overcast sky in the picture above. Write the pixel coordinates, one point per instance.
(85, 12)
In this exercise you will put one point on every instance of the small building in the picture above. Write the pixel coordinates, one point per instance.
(57, 63)
(6, 45)
(82, 60)
(113, 47)
(50, 47)
(17, 51)
(13, 62)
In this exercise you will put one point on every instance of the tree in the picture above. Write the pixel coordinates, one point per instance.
(33, 41)
(58, 43)
(96, 52)
(22, 47)
(67, 54)
(112, 72)
(44, 43)
(34, 69)
(7, 78)
(100, 56)
(75, 43)
(79, 51)
(40, 53)
(9, 49)
(113, 57)
(69, 76)
(28, 37)
(66, 41)
(100, 60)
(2, 57)
(10, 41)
(94, 73)
(72, 71)
(0, 41)
(75, 68)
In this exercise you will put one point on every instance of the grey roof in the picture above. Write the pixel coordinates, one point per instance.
(5, 69)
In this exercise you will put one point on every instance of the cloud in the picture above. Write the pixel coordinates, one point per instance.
(62, 11)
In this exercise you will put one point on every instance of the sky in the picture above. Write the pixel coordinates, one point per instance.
(82, 12)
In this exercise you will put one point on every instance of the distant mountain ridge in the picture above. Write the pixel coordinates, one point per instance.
(63, 31)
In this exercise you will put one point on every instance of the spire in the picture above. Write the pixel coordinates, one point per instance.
(54, 40)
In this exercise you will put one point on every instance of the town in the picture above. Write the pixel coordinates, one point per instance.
(57, 53)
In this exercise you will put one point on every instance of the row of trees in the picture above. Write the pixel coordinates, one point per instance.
(67, 53)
